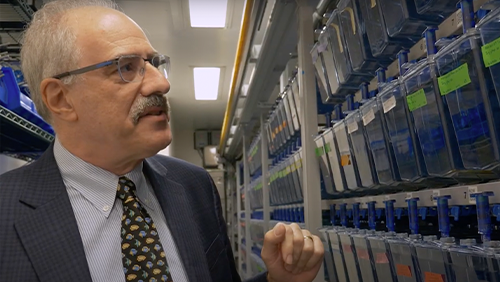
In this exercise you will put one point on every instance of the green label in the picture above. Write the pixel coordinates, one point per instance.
(416, 100)
(491, 53)
(320, 152)
(327, 148)
(454, 80)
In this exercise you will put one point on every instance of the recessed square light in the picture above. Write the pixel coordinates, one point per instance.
(208, 13)
(206, 83)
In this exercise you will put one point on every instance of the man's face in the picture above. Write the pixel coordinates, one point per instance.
(112, 112)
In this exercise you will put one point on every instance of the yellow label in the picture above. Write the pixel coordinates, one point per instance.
(374, 3)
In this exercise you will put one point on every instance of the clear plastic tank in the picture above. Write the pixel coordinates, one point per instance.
(474, 263)
(364, 255)
(381, 44)
(381, 151)
(433, 261)
(361, 151)
(347, 162)
(350, 258)
(404, 257)
(471, 100)
(382, 258)
(442, 8)
(322, 149)
(338, 254)
(335, 161)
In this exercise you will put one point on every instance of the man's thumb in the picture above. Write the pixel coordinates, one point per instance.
(274, 238)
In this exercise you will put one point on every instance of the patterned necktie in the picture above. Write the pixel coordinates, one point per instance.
(143, 256)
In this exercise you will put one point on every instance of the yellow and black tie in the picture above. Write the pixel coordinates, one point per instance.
(143, 255)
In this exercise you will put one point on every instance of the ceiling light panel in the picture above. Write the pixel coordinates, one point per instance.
(206, 83)
(208, 13)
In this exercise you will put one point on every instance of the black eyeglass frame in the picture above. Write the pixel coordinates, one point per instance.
(115, 61)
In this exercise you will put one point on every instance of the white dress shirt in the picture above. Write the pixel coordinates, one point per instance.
(92, 193)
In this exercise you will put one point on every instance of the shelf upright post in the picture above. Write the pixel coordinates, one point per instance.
(246, 180)
(309, 122)
(238, 215)
(265, 167)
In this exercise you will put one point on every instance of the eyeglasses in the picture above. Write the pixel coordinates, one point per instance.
(130, 67)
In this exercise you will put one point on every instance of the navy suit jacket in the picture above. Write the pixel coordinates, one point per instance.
(40, 241)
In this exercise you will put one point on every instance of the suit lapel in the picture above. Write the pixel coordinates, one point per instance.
(48, 229)
(180, 220)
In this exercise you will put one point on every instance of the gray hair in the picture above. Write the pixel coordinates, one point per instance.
(49, 47)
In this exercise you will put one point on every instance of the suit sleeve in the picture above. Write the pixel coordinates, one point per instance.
(223, 228)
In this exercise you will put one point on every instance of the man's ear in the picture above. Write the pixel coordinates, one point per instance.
(55, 96)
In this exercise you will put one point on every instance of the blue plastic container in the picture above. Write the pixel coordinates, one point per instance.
(402, 19)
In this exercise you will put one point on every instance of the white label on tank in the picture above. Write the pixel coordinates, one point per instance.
(368, 117)
(352, 127)
(458, 18)
(409, 196)
(389, 104)
(435, 194)
(471, 191)
(337, 128)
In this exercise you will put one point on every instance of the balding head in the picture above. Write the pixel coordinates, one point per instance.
(49, 45)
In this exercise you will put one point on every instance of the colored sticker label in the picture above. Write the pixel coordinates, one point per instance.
(381, 258)
(347, 248)
(433, 277)
(454, 80)
(491, 53)
(327, 148)
(345, 160)
(320, 152)
(416, 100)
(403, 270)
(362, 254)
(389, 104)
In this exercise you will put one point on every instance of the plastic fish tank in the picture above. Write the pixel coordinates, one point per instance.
(298, 166)
(393, 101)
(489, 28)
(328, 259)
(473, 263)
(322, 149)
(404, 21)
(357, 46)
(350, 258)
(381, 151)
(296, 98)
(296, 179)
(338, 254)
(335, 161)
(361, 151)
(347, 160)
(442, 8)
(364, 255)
(336, 57)
(471, 100)
(432, 123)
(382, 258)
(381, 44)
(404, 257)
(433, 258)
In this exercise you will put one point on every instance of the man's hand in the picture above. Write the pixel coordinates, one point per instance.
(292, 254)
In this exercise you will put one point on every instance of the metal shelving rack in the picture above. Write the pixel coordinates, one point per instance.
(259, 93)
(20, 137)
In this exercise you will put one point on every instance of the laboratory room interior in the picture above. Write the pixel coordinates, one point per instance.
(374, 124)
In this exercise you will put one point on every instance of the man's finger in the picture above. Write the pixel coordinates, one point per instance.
(298, 243)
(272, 241)
(318, 253)
(307, 251)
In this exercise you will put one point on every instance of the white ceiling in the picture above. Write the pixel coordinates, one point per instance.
(166, 23)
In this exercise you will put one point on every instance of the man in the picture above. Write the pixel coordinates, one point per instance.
(99, 205)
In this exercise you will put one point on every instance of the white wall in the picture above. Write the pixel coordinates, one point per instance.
(182, 146)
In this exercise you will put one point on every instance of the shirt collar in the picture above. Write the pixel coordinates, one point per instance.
(95, 184)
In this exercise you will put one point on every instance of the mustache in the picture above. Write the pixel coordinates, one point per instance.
(143, 103)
